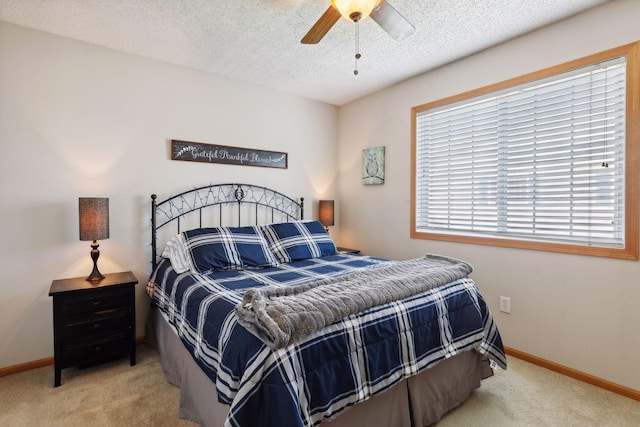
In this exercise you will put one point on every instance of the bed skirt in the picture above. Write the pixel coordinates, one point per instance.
(418, 401)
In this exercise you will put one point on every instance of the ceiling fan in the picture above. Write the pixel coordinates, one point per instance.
(380, 11)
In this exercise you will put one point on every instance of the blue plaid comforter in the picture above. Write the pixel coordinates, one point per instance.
(318, 377)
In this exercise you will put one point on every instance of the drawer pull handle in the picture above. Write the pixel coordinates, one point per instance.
(96, 303)
(96, 325)
(98, 349)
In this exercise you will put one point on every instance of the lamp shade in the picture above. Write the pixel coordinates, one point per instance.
(354, 9)
(326, 212)
(94, 218)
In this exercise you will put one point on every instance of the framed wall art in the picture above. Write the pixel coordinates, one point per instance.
(373, 166)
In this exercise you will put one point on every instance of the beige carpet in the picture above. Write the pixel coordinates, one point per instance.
(528, 395)
(112, 394)
(116, 394)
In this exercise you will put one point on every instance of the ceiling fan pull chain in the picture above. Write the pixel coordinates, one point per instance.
(355, 71)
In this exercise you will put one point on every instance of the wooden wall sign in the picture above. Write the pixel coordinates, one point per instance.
(211, 153)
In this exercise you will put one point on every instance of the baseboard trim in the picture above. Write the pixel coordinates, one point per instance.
(26, 366)
(43, 362)
(573, 373)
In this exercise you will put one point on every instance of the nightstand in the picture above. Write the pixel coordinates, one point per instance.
(351, 251)
(93, 322)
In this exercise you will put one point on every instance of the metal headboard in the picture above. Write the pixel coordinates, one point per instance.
(276, 206)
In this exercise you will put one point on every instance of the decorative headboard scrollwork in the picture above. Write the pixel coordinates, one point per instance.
(259, 204)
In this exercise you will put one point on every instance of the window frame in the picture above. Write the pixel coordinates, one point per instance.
(632, 158)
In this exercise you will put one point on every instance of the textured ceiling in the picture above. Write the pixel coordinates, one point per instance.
(258, 41)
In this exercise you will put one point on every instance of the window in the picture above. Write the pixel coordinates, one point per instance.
(547, 161)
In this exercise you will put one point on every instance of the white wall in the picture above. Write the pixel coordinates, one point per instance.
(578, 311)
(79, 120)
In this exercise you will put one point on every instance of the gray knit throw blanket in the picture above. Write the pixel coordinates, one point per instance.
(282, 315)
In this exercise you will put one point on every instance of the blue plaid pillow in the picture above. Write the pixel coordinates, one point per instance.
(293, 241)
(227, 248)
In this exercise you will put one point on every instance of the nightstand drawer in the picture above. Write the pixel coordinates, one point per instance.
(95, 302)
(96, 350)
(99, 325)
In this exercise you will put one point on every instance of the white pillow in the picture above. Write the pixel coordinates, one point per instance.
(176, 251)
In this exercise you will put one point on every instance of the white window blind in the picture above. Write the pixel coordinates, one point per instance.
(542, 161)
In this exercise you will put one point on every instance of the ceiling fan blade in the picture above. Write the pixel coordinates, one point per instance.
(391, 21)
(320, 28)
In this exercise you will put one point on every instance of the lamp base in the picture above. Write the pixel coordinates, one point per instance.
(95, 275)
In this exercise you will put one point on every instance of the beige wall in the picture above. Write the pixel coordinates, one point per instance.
(79, 120)
(578, 311)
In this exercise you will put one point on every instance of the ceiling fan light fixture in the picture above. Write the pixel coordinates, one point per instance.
(354, 10)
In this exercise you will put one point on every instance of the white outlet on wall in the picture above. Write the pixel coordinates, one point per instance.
(505, 304)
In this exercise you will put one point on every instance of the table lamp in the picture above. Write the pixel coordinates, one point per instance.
(326, 213)
(94, 225)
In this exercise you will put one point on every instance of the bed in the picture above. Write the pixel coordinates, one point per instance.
(404, 360)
